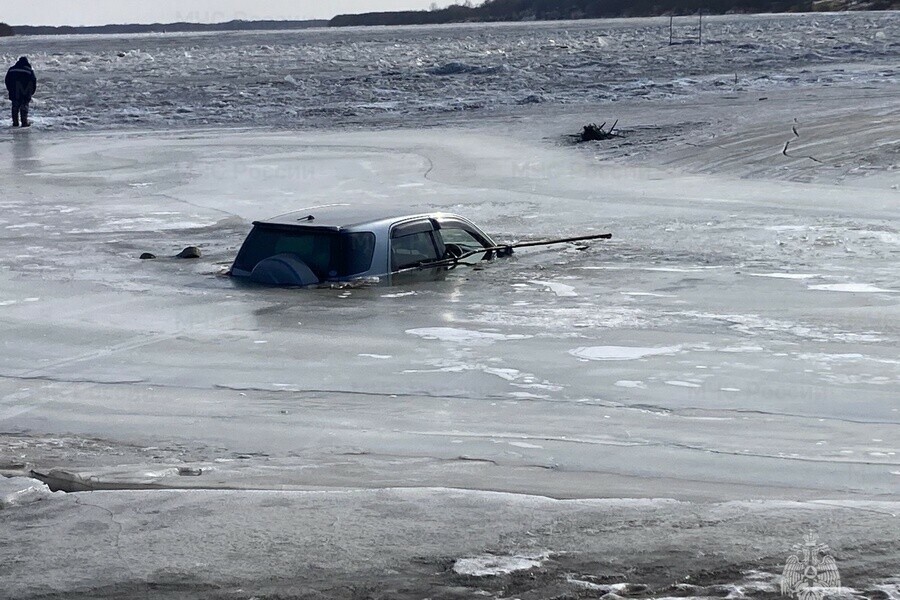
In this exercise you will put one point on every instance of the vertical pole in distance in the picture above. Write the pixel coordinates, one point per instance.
(671, 22)
(701, 28)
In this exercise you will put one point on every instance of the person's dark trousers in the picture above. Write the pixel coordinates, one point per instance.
(20, 108)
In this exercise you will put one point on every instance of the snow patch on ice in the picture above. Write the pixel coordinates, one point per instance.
(786, 275)
(528, 396)
(741, 349)
(463, 336)
(376, 356)
(622, 352)
(625, 383)
(855, 288)
(686, 384)
(490, 565)
(648, 294)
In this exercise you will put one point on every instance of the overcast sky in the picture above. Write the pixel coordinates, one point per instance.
(99, 12)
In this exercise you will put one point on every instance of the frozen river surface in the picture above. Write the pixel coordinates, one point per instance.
(736, 340)
(380, 76)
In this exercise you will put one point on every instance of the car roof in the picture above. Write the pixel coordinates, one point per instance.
(338, 217)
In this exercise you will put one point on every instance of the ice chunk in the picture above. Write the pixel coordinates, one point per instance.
(16, 491)
(560, 289)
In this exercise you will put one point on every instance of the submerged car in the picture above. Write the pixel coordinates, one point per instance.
(339, 243)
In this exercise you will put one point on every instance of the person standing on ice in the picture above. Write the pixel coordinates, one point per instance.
(21, 85)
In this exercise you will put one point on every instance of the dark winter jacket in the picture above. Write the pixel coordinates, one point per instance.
(21, 82)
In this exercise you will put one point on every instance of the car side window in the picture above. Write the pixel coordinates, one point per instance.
(413, 249)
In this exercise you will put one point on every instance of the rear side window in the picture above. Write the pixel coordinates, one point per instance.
(359, 249)
(327, 253)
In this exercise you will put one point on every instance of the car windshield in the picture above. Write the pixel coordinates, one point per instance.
(328, 254)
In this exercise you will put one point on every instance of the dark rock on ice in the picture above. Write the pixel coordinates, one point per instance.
(148, 256)
(189, 252)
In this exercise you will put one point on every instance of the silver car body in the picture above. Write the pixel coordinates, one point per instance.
(395, 236)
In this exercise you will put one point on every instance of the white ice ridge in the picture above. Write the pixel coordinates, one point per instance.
(621, 352)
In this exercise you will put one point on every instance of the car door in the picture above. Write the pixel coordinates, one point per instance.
(414, 243)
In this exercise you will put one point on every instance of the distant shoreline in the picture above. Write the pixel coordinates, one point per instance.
(31, 30)
(456, 14)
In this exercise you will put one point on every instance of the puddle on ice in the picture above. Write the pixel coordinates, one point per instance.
(490, 565)
(621, 352)
(857, 288)
(376, 356)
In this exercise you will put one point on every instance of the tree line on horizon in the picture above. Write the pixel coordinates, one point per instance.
(546, 10)
(488, 11)
(237, 25)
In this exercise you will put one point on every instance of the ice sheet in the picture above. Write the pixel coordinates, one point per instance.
(685, 358)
